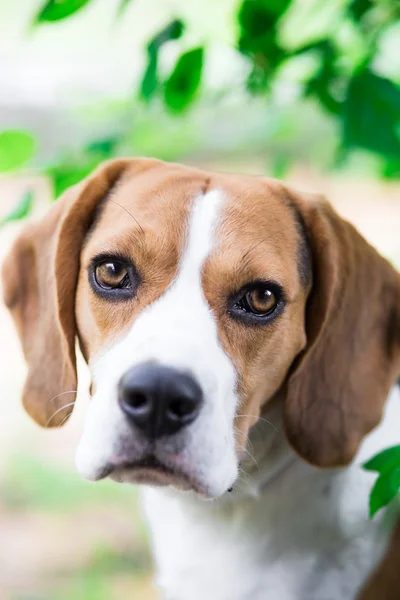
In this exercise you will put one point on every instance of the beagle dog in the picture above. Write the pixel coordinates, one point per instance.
(243, 342)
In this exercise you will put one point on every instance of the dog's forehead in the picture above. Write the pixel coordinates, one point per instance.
(257, 235)
(156, 208)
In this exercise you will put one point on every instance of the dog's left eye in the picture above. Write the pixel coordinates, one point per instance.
(258, 301)
(113, 278)
(112, 274)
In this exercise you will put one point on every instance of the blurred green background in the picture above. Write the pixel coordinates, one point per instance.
(306, 90)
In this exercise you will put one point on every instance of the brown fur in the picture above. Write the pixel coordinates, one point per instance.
(333, 353)
(384, 583)
(338, 389)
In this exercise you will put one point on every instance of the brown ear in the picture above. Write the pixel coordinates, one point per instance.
(39, 277)
(338, 388)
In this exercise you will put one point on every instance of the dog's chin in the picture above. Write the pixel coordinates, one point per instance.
(153, 472)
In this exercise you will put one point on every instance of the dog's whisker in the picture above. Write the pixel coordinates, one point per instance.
(248, 451)
(130, 214)
(260, 419)
(64, 419)
(62, 394)
(253, 458)
(244, 478)
(58, 411)
(237, 486)
(246, 254)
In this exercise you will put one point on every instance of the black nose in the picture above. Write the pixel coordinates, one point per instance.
(159, 400)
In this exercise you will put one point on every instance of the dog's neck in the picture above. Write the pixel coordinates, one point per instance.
(283, 524)
(267, 454)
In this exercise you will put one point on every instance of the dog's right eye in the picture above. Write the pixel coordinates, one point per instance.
(110, 275)
(113, 278)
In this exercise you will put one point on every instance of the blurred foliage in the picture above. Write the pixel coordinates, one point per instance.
(30, 484)
(341, 39)
(21, 210)
(387, 485)
(56, 10)
(96, 580)
(93, 582)
(123, 6)
(16, 148)
(150, 81)
(181, 87)
(372, 124)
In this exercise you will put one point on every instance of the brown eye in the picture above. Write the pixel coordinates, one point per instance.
(112, 274)
(260, 301)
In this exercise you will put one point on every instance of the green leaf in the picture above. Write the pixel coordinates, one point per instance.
(326, 78)
(56, 10)
(386, 460)
(103, 148)
(257, 18)
(66, 174)
(73, 167)
(385, 489)
(149, 83)
(372, 114)
(280, 165)
(16, 148)
(183, 83)
(391, 169)
(258, 39)
(310, 21)
(358, 8)
(258, 79)
(123, 6)
(173, 31)
(21, 210)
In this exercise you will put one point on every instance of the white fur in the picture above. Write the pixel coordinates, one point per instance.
(178, 330)
(302, 534)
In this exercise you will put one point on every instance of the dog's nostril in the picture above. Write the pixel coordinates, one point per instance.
(138, 400)
(181, 407)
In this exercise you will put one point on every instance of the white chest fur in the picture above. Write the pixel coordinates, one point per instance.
(304, 535)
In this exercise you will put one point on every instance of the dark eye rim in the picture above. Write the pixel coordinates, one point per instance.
(250, 318)
(114, 294)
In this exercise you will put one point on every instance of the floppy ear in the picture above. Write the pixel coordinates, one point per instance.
(339, 385)
(39, 277)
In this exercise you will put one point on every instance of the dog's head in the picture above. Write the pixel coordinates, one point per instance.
(197, 298)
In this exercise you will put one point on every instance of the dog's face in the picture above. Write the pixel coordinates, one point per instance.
(196, 298)
(190, 312)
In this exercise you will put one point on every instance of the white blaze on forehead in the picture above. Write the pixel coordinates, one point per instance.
(177, 330)
(202, 225)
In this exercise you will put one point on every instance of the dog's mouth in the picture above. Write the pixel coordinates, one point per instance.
(150, 470)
